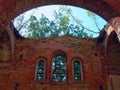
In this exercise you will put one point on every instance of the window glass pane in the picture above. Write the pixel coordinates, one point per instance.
(59, 68)
(77, 70)
(41, 70)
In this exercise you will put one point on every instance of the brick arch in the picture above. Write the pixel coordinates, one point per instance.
(112, 30)
(14, 8)
(59, 52)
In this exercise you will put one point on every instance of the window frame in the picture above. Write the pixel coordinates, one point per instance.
(81, 69)
(40, 59)
(59, 54)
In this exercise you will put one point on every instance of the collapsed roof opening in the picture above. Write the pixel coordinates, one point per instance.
(58, 20)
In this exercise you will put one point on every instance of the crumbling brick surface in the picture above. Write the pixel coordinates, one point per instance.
(28, 51)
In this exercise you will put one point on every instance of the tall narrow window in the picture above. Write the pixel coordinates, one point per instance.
(40, 74)
(59, 68)
(77, 68)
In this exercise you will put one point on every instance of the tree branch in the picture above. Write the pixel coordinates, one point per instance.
(82, 25)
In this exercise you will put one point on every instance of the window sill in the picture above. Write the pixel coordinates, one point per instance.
(38, 81)
(58, 83)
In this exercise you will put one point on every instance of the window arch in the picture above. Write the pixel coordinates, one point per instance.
(59, 68)
(77, 70)
(40, 70)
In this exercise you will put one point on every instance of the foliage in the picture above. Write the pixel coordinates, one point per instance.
(40, 70)
(59, 68)
(64, 23)
(77, 70)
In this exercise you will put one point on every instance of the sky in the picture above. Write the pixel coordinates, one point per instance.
(80, 13)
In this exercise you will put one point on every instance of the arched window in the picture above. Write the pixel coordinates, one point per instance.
(77, 70)
(40, 73)
(59, 68)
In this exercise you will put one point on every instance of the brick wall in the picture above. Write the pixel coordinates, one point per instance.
(27, 52)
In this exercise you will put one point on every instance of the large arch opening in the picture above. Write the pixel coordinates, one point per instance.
(58, 20)
(18, 7)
